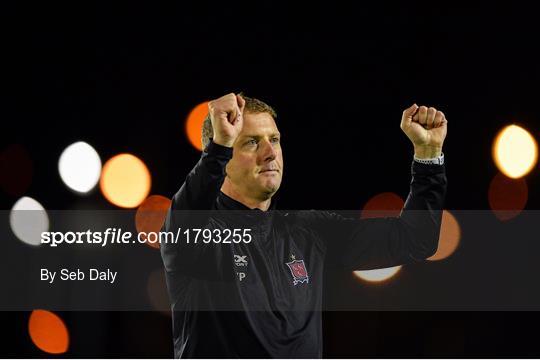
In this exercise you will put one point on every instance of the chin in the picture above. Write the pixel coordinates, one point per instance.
(272, 189)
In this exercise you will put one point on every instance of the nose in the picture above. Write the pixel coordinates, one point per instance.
(269, 152)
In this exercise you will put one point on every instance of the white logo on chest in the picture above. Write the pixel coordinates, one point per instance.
(241, 260)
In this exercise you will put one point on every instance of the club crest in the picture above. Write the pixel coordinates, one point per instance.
(298, 271)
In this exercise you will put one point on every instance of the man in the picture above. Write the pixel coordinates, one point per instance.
(263, 297)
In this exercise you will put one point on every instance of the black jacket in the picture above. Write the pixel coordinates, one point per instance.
(274, 308)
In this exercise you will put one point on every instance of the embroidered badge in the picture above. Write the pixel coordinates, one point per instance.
(298, 271)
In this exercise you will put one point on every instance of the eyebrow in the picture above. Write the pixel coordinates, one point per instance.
(260, 136)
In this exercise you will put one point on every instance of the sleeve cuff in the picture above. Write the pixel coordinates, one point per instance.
(219, 150)
(426, 169)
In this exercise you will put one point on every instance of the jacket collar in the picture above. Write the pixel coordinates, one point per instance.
(228, 203)
(238, 213)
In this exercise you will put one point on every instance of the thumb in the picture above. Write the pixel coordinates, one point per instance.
(408, 114)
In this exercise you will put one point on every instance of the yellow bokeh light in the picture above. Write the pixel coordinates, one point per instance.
(377, 275)
(125, 181)
(515, 151)
(449, 237)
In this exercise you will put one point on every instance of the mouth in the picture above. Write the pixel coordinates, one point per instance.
(269, 171)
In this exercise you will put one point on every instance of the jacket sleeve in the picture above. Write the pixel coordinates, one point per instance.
(191, 205)
(374, 243)
(202, 185)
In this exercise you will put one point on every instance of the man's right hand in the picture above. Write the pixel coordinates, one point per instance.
(226, 114)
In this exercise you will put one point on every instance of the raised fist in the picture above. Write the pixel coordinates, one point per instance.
(426, 128)
(226, 114)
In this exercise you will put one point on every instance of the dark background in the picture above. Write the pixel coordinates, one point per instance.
(124, 79)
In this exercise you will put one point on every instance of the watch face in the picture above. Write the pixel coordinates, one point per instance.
(441, 159)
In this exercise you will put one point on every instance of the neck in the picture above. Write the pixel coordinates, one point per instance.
(231, 191)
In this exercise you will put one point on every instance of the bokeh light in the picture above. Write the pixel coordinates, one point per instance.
(377, 275)
(515, 151)
(125, 181)
(507, 197)
(48, 332)
(449, 238)
(157, 292)
(80, 167)
(28, 219)
(151, 215)
(15, 170)
(385, 204)
(194, 124)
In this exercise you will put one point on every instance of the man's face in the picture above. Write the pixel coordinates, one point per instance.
(257, 164)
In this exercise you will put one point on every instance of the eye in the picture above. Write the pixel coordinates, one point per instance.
(251, 142)
(275, 140)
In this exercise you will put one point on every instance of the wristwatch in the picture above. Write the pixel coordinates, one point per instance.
(434, 161)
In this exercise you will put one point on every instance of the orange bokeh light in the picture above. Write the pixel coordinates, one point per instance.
(157, 292)
(151, 215)
(194, 124)
(125, 181)
(449, 237)
(48, 332)
(385, 204)
(507, 197)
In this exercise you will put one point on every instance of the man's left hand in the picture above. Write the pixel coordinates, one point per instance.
(426, 128)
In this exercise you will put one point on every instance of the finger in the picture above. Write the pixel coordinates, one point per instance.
(438, 119)
(240, 104)
(444, 122)
(233, 115)
(422, 115)
(430, 117)
(407, 116)
(232, 108)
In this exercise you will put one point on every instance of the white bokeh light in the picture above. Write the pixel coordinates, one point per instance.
(377, 275)
(80, 167)
(28, 219)
(515, 151)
